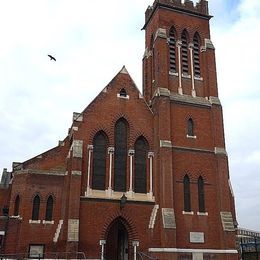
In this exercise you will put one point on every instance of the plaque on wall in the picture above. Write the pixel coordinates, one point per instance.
(168, 218)
(197, 237)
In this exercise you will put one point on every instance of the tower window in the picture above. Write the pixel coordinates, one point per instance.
(99, 161)
(141, 150)
(201, 194)
(184, 53)
(190, 127)
(49, 209)
(172, 50)
(36, 208)
(120, 155)
(196, 55)
(17, 205)
(186, 189)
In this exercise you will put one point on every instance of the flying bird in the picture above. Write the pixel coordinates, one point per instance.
(51, 57)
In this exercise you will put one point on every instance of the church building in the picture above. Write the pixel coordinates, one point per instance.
(139, 175)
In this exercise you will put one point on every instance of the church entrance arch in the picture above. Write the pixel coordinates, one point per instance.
(117, 241)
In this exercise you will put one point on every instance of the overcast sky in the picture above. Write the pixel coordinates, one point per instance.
(91, 41)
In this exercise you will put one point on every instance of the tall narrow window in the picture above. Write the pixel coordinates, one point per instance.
(201, 194)
(186, 188)
(190, 126)
(16, 205)
(99, 161)
(184, 53)
(196, 55)
(120, 155)
(172, 50)
(36, 208)
(141, 150)
(49, 209)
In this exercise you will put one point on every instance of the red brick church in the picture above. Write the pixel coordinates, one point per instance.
(139, 175)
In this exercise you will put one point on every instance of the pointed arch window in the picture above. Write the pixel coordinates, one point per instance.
(186, 189)
(120, 159)
(49, 209)
(201, 194)
(190, 127)
(172, 50)
(196, 55)
(100, 144)
(184, 53)
(36, 207)
(17, 205)
(141, 151)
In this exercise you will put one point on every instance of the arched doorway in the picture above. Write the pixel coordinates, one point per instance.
(117, 241)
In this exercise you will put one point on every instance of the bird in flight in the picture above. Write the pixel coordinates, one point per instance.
(51, 57)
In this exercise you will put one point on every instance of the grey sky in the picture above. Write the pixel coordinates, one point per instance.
(92, 40)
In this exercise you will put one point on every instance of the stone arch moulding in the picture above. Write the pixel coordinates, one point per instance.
(125, 220)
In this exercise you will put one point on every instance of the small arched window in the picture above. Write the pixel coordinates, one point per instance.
(100, 144)
(120, 158)
(17, 205)
(190, 127)
(196, 55)
(49, 209)
(201, 194)
(36, 208)
(184, 53)
(172, 50)
(122, 93)
(186, 189)
(140, 158)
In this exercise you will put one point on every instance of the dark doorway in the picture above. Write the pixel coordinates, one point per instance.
(117, 242)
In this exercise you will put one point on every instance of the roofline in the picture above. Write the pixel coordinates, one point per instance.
(177, 9)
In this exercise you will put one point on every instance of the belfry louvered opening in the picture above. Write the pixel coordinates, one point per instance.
(184, 53)
(196, 55)
(172, 50)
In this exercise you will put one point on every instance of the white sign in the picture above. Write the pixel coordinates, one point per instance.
(197, 237)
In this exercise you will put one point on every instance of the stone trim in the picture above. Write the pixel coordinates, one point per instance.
(76, 173)
(209, 44)
(78, 117)
(191, 250)
(34, 221)
(77, 148)
(161, 33)
(220, 150)
(187, 212)
(214, 101)
(165, 143)
(162, 92)
(41, 172)
(189, 100)
(51, 222)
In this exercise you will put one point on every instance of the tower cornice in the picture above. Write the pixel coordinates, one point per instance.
(177, 6)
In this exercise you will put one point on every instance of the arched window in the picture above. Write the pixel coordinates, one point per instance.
(190, 127)
(120, 155)
(140, 158)
(36, 208)
(122, 93)
(201, 194)
(196, 55)
(172, 50)
(99, 161)
(186, 189)
(16, 205)
(49, 209)
(184, 53)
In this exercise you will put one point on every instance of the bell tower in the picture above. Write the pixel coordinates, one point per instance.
(192, 179)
